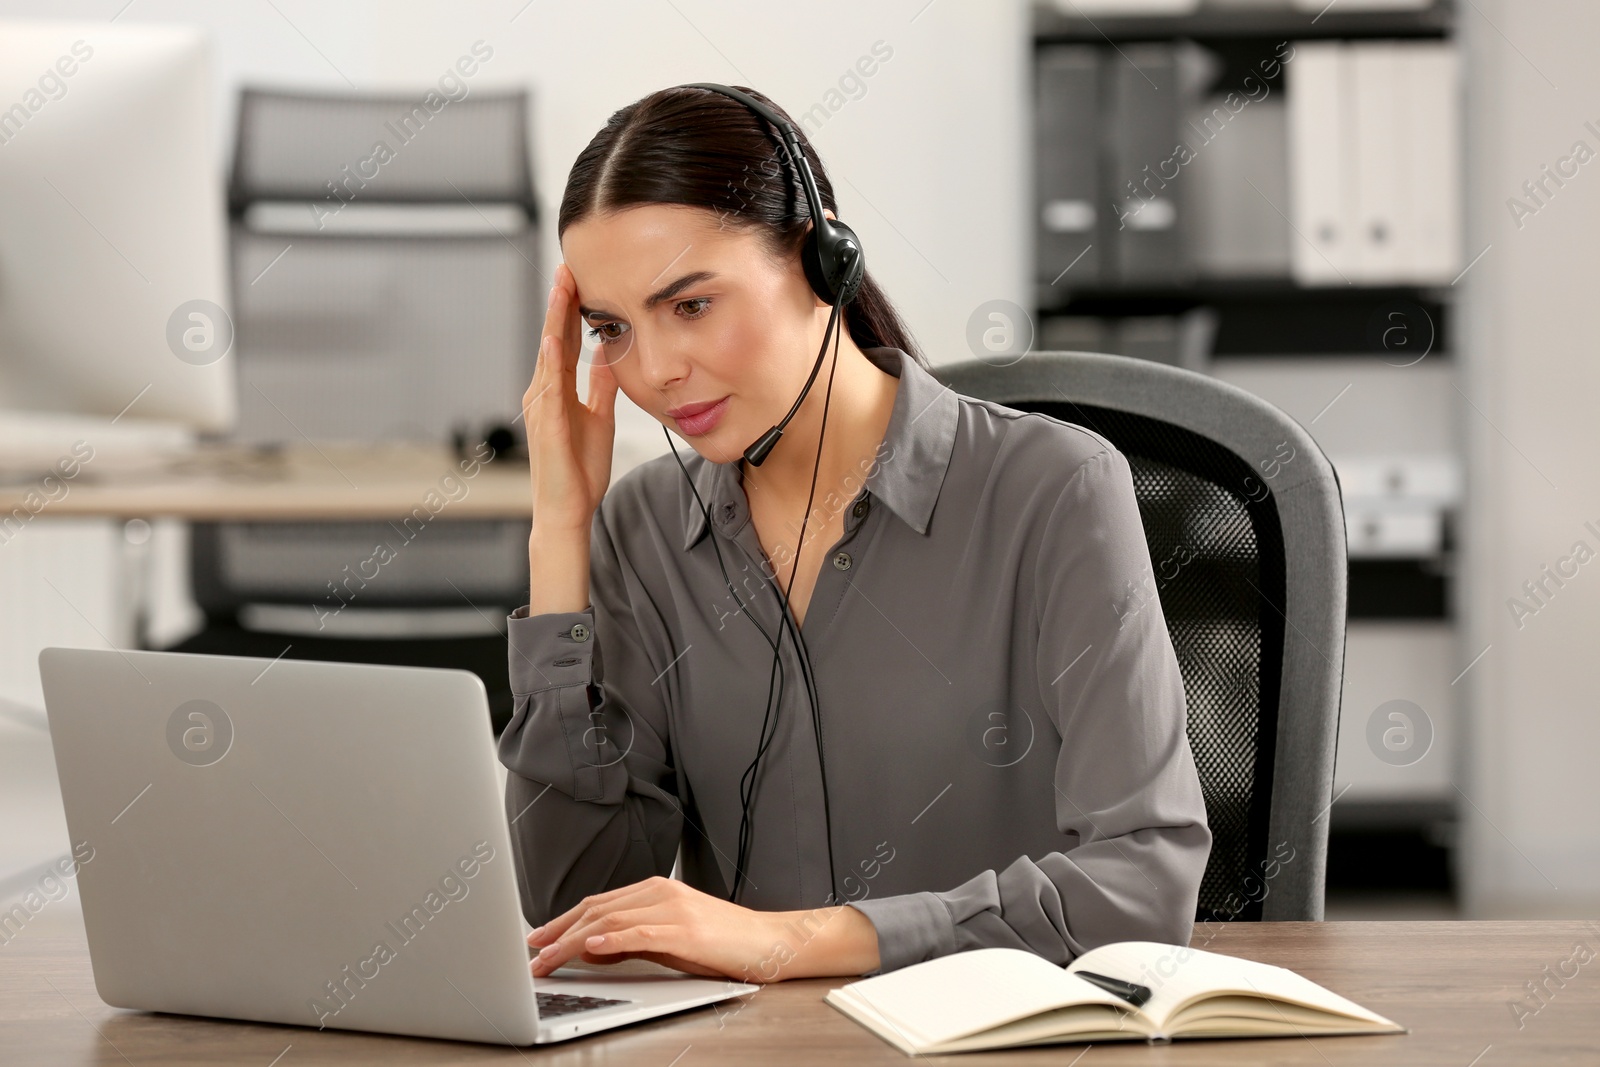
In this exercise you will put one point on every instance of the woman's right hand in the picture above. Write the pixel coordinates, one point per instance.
(569, 441)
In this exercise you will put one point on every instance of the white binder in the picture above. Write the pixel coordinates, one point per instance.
(1380, 159)
(1321, 136)
(1363, 5)
(1430, 140)
(1375, 162)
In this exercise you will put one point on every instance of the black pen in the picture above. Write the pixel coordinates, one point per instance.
(1132, 992)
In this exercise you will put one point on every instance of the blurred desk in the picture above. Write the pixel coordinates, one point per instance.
(292, 483)
(1452, 983)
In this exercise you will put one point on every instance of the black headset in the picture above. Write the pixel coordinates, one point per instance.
(835, 267)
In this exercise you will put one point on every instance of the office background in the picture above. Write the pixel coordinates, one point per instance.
(933, 158)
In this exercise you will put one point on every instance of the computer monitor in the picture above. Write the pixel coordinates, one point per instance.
(113, 268)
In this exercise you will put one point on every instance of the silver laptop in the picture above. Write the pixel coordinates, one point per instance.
(322, 844)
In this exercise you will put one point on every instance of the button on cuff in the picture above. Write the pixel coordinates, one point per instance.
(543, 651)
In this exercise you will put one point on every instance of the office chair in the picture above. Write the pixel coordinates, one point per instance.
(378, 297)
(1245, 524)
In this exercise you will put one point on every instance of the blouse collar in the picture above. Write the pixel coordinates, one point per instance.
(910, 467)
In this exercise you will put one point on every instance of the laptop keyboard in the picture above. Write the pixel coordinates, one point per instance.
(566, 1004)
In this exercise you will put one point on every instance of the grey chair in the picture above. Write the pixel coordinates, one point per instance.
(378, 296)
(1245, 524)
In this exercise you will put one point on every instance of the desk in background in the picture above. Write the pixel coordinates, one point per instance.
(293, 483)
(1452, 983)
(235, 483)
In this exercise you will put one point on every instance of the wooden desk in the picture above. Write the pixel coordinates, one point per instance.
(299, 482)
(1450, 982)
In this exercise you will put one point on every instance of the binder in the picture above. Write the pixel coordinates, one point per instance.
(1239, 188)
(1382, 166)
(1149, 220)
(1375, 162)
(1363, 5)
(1068, 216)
(1430, 146)
(1115, 8)
(1321, 172)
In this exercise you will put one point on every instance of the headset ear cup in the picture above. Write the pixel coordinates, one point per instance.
(854, 272)
(833, 261)
(811, 261)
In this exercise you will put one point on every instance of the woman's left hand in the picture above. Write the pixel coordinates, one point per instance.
(668, 922)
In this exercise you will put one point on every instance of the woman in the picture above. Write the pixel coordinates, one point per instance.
(997, 751)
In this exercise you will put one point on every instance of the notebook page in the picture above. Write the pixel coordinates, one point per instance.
(952, 996)
(1176, 974)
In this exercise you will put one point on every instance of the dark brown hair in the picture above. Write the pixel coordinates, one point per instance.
(704, 149)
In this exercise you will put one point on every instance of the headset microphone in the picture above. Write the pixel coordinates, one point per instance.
(756, 453)
(835, 267)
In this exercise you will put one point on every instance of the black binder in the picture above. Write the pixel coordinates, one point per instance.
(1145, 184)
(1071, 215)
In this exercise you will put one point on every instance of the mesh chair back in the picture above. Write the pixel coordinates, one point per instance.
(1245, 527)
(385, 288)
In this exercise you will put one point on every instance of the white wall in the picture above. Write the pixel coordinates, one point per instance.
(929, 159)
(1531, 371)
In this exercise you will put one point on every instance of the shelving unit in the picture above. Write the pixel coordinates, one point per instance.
(1401, 607)
(1264, 316)
(1051, 25)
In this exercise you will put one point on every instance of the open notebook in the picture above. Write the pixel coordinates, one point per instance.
(991, 998)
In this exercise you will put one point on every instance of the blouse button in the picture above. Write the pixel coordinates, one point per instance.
(580, 632)
(841, 560)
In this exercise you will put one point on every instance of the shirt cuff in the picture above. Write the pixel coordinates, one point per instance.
(551, 650)
(912, 928)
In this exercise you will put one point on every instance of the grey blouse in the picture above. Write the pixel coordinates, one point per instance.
(1003, 720)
